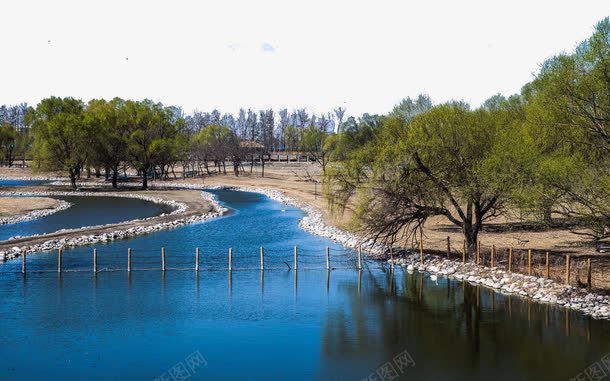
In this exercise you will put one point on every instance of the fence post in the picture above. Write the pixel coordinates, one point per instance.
(567, 269)
(589, 273)
(529, 262)
(262, 258)
(548, 269)
(197, 259)
(23, 263)
(359, 256)
(163, 259)
(230, 259)
(448, 247)
(94, 260)
(296, 258)
(493, 253)
(327, 258)
(59, 260)
(478, 252)
(129, 259)
(510, 259)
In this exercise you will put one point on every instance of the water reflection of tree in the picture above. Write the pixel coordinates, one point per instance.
(453, 331)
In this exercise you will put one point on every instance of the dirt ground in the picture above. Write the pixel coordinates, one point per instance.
(11, 206)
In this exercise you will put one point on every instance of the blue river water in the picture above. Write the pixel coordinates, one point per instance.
(21, 183)
(279, 324)
(86, 211)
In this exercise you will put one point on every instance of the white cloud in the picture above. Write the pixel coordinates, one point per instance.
(267, 47)
(203, 54)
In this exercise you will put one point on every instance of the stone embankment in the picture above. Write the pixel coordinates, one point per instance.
(538, 289)
(87, 239)
(35, 214)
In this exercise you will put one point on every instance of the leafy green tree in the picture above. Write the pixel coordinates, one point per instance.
(219, 143)
(443, 162)
(149, 123)
(313, 143)
(110, 124)
(63, 139)
(568, 124)
(8, 142)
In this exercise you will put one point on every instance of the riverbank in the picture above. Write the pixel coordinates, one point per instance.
(14, 210)
(536, 288)
(190, 207)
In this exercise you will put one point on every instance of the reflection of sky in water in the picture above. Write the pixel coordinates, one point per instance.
(271, 326)
(21, 183)
(86, 211)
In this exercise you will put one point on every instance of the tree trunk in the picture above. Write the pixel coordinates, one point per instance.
(115, 176)
(236, 167)
(145, 177)
(262, 165)
(73, 179)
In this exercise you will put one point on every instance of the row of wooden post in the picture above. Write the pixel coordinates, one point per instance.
(262, 259)
(510, 260)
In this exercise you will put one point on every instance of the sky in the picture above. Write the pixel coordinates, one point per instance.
(319, 54)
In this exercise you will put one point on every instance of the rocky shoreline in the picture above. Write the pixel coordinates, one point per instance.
(538, 289)
(55, 244)
(35, 214)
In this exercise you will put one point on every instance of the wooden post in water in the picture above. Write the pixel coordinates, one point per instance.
(163, 259)
(129, 259)
(23, 263)
(230, 259)
(59, 260)
(493, 253)
(448, 247)
(478, 252)
(197, 259)
(548, 269)
(510, 259)
(359, 256)
(327, 258)
(567, 269)
(589, 273)
(296, 258)
(529, 262)
(94, 260)
(262, 258)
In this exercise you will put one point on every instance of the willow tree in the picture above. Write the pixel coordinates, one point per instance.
(111, 126)
(568, 123)
(148, 123)
(447, 162)
(63, 139)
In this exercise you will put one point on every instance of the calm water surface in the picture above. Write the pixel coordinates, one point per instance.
(276, 325)
(21, 183)
(86, 211)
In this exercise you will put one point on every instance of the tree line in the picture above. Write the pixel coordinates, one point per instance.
(108, 136)
(541, 153)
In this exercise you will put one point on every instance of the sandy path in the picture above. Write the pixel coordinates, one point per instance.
(12, 206)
